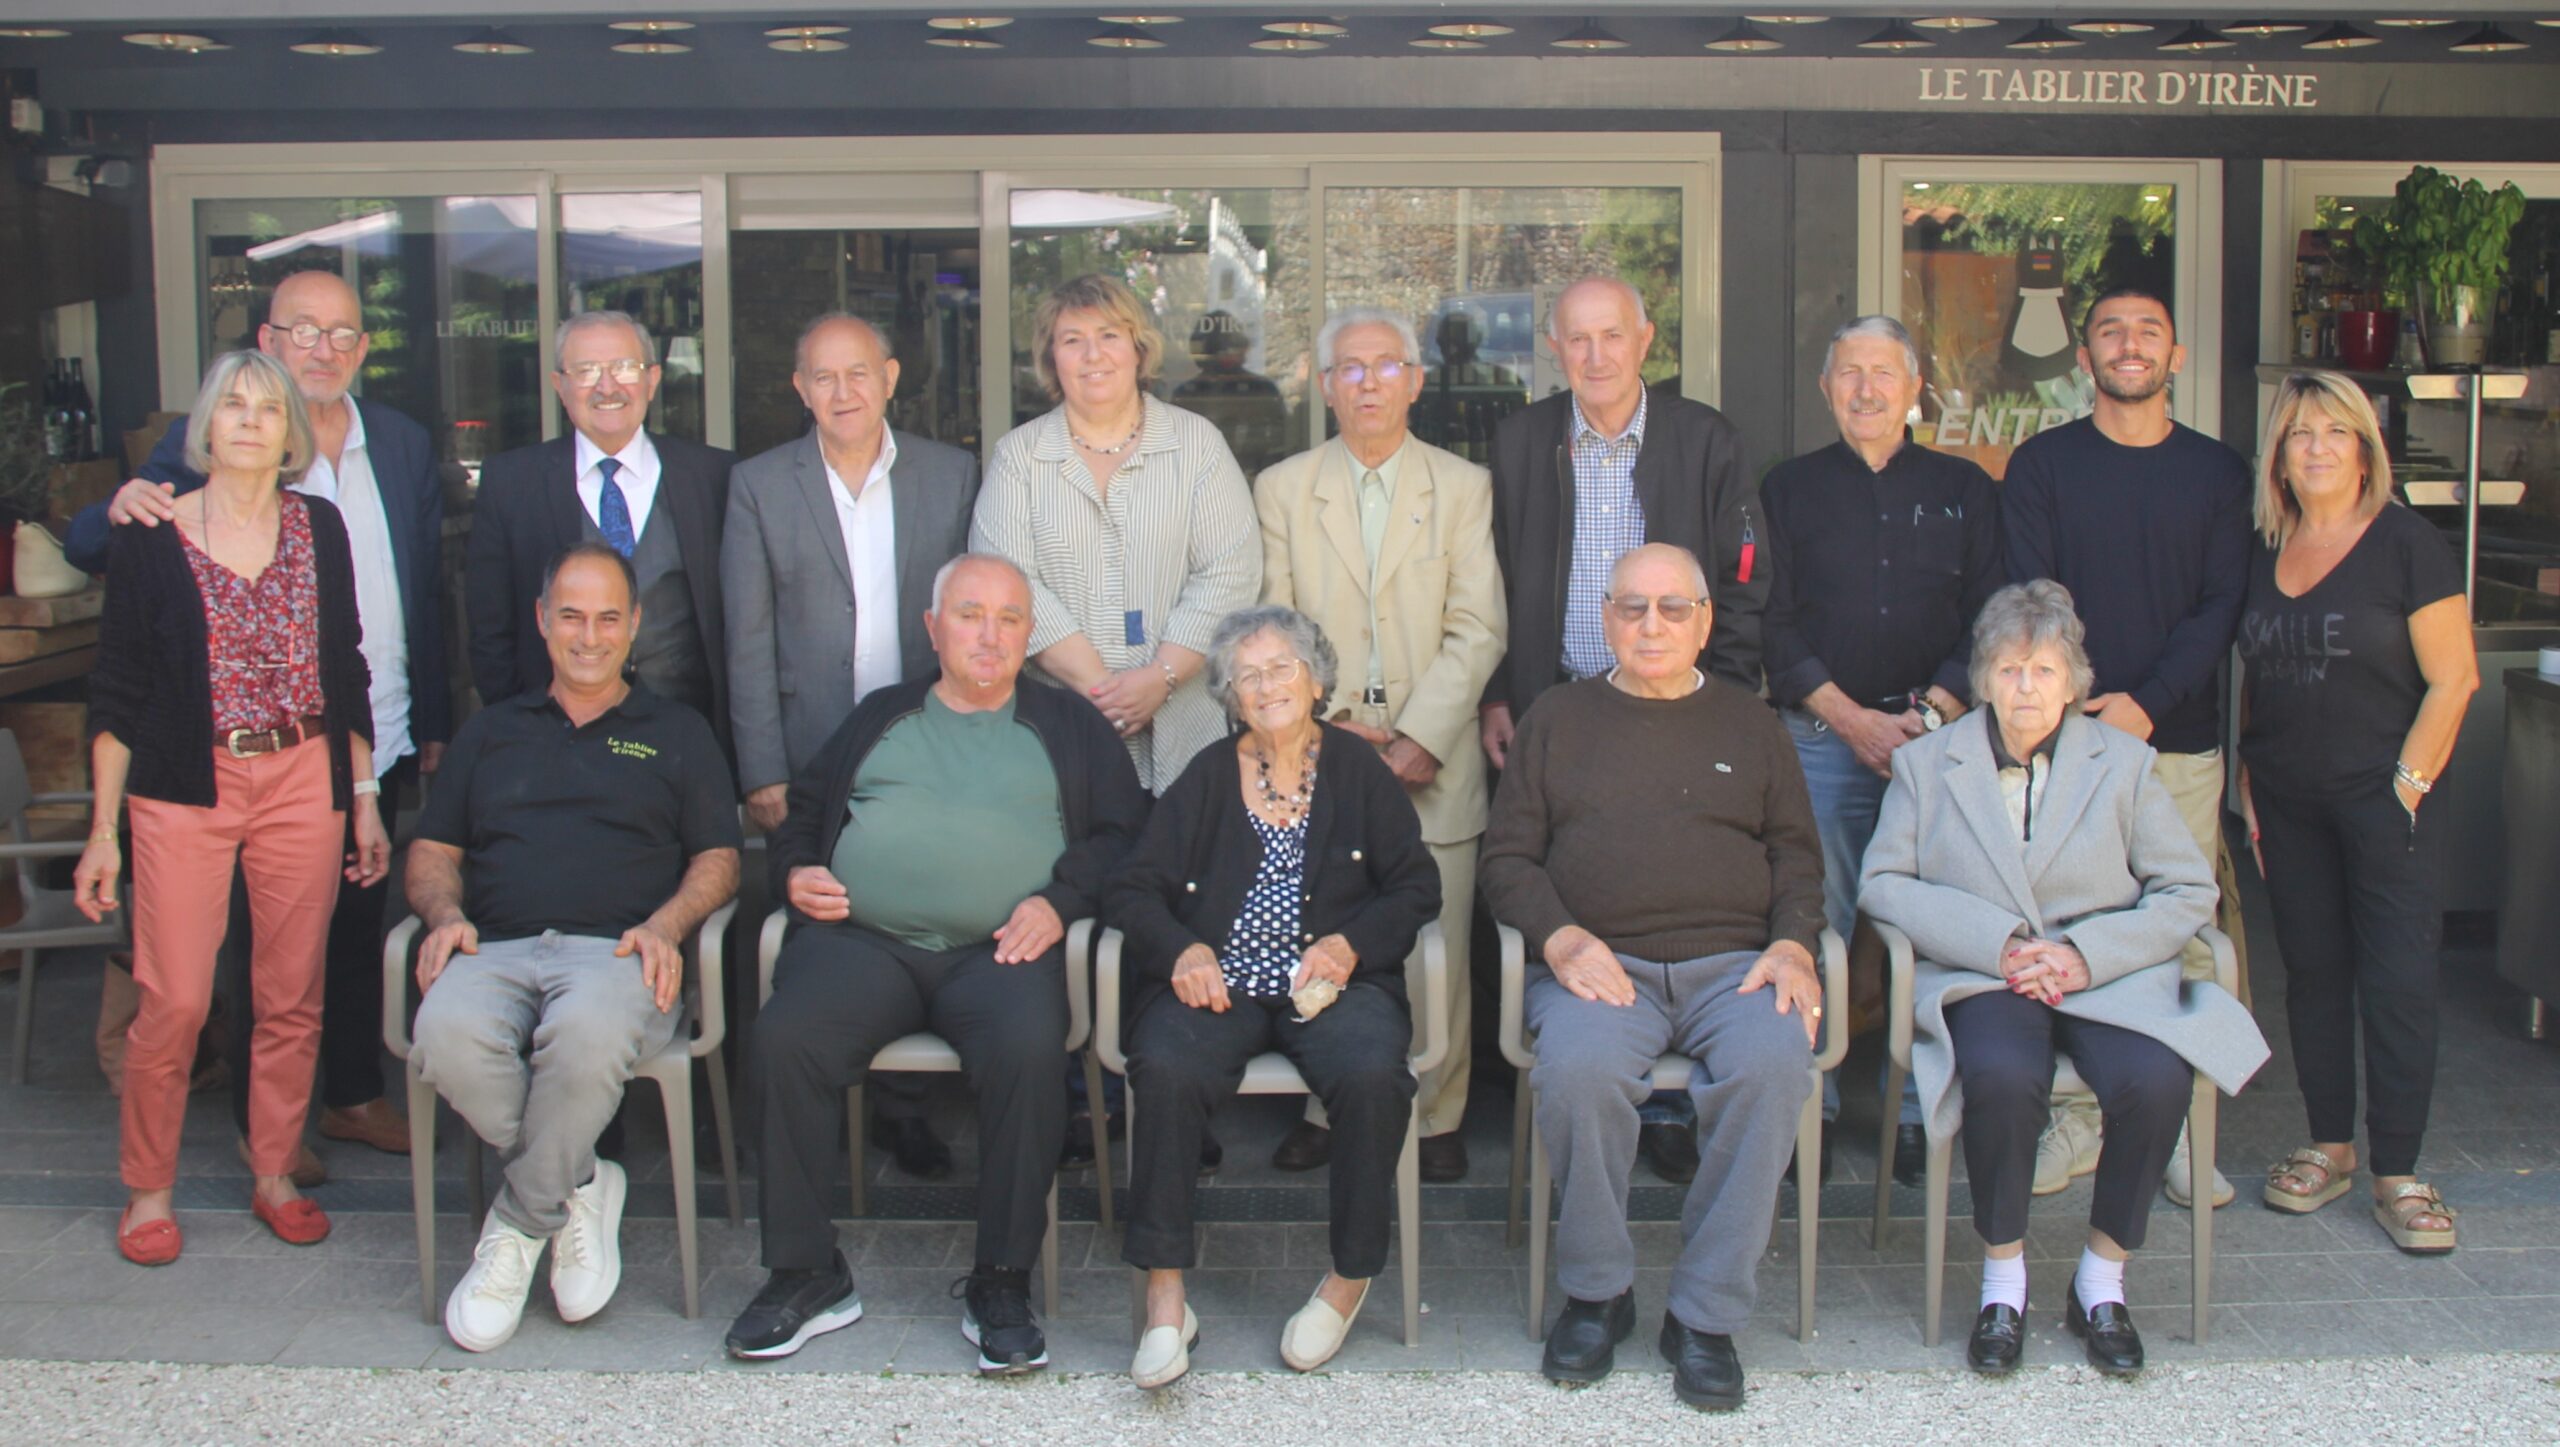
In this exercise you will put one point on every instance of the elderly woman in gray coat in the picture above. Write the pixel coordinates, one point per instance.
(2048, 887)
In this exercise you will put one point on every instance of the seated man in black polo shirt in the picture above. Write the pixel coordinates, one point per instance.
(932, 854)
(575, 838)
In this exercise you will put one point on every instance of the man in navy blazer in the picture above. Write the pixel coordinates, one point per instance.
(380, 469)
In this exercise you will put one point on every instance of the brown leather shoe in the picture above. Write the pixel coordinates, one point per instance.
(1443, 1158)
(307, 1169)
(373, 1123)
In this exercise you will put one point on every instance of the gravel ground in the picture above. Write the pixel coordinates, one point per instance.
(2442, 1400)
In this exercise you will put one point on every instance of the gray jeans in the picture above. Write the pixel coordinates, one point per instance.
(1751, 1075)
(588, 1019)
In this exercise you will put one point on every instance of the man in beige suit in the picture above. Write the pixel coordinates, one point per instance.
(1387, 542)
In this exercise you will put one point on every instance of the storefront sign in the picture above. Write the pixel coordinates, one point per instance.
(2201, 88)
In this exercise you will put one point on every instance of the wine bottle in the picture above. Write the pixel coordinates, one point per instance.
(84, 417)
(57, 424)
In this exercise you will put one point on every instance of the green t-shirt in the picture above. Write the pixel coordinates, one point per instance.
(953, 821)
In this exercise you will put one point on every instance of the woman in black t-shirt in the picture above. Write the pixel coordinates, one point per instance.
(2359, 664)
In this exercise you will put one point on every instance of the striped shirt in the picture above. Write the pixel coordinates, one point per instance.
(1172, 549)
(1608, 524)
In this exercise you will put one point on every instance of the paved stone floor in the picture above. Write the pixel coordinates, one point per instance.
(2327, 1285)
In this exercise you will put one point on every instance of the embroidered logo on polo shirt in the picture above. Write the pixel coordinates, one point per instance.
(1724, 768)
(629, 749)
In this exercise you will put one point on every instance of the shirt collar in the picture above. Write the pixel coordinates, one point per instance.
(1386, 470)
(878, 474)
(1850, 454)
(639, 703)
(1635, 425)
(638, 454)
(355, 429)
(2000, 749)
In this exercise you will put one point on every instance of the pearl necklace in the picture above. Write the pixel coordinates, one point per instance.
(1117, 448)
(1293, 807)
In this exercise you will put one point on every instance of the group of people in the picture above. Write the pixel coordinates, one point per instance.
(1256, 726)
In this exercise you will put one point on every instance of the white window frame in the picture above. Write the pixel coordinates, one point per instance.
(2196, 398)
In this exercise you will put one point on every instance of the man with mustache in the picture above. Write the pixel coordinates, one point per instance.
(2146, 521)
(1883, 553)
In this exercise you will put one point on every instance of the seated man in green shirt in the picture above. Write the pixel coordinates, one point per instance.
(932, 854)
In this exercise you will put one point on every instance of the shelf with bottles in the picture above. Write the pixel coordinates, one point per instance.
(70, 414)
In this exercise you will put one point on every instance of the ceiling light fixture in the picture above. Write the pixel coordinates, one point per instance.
(1287, 44)
(31, 32)
(805, 32)
(989, 22)
(1137, 20)
(1428, 41)
(1745, 39)
(2045, 39)
(1784, 17)
(2261, 29)
(2488, 40)
(964, 42)
(2414, 22)
(2341, 36)
(490, 40)
(652, 47)
(1955, 23)
(177, 42)
(2111, 28)
(1123, 37)
(337, 44)
(650, 27)
(1471, 29)
(1896, 38)
(2197, 37)
(1587, 37)
(1307, 29)
(805, 45)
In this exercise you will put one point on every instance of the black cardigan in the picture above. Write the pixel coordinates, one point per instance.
(1100, 800)
(153, 684)
(1370, 878)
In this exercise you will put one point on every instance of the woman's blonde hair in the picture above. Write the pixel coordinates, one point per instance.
(1118, 305)
(261, 375)
(2338, 399)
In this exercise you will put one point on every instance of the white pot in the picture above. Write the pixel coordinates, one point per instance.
(2457, 327)
(42, 570)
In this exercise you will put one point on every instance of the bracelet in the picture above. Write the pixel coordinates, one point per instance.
(368, 786)
(2418, 782)
(103, 836)
(1172, 680)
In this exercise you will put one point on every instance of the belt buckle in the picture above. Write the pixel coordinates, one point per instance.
(233, 742)
(1375, 696)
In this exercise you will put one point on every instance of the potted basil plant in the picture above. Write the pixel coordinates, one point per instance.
(2442, 246)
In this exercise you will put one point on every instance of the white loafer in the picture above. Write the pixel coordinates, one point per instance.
(1316, 1332)
(1164, 1354)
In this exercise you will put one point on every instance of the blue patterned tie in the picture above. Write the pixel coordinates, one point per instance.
(613, 510)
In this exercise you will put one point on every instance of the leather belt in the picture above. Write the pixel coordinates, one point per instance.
(248, 743)
(1375, 696)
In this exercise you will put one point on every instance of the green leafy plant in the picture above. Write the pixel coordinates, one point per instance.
(2440, 231)
(26, 470)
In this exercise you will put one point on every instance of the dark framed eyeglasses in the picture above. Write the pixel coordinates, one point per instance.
(306, 336)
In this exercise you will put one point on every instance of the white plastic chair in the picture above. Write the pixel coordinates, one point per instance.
(1670, 1072)
(1270, 1073)
(670, 1069)
(50, 921)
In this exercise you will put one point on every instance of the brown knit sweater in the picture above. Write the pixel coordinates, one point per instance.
(1672, 829)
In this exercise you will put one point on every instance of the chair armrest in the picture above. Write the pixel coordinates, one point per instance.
(1106, 1003)
(1897, 990)
(68, 796)
(769, 949)
(45, 849)
(395, 984)
(1515, 1046)
(1079, 984)
(1835, 997)
(1433, 948)
(710, 1001)
(2226, 961)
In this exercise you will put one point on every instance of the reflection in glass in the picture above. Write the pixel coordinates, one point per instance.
(1995, 278)
(1476, 270)
(1225, 272)
(447, 285)
(919, 287)
(641, 253)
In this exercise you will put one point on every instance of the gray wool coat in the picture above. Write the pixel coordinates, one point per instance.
(2110, 869)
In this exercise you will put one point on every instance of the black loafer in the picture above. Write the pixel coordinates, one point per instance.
(1212, 1156)
(1999, 1335)
(1304, 1148)
(1705, 1373)
(1672, 1151)
(2106, 1329)
(1910, 1155)
(1584, 1344)
(910, 1142)
(1442, 1158)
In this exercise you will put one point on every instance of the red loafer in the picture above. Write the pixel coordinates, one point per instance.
(298, 1222)
(153, 1243)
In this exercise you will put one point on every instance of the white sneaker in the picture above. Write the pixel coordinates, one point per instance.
(2180, 1180)
(586, 1256)
(2068, 1149)
(489, 1301)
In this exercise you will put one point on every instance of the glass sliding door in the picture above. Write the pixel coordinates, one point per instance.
(920, 287)
(641, 252)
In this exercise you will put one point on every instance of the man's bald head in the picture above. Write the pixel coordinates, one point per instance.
(323, 307)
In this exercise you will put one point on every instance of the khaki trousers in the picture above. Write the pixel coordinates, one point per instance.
(1443, 1095)
(2194, 782)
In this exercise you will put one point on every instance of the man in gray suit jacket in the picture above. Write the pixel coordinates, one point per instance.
(826, 568)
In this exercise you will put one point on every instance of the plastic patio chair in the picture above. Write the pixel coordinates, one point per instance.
(50, 920)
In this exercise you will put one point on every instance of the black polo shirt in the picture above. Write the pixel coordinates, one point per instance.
(1876, 575)
(584, 830)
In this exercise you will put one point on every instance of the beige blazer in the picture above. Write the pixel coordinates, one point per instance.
(1439, 612)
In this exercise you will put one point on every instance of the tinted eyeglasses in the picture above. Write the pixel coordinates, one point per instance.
(1631, 608)
(1352, 374)
(626, 370)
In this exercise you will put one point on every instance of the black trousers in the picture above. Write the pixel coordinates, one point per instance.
(2360, 922)
(840, 993)
(1183, 1061)
(351, 978)
(2004, 1046)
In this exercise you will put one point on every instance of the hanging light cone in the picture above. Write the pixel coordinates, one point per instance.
(1896, 38)
(1746, 39)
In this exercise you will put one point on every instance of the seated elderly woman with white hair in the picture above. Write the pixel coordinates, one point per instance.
(2048, 887)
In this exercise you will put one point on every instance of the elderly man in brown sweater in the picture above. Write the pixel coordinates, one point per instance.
(1653, 841)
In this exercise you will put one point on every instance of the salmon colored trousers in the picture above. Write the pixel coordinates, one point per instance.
(272, 813)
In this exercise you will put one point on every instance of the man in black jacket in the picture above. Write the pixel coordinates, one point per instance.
(1580, 481)
(933, 853)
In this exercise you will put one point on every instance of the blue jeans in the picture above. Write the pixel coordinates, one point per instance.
(1846, 795)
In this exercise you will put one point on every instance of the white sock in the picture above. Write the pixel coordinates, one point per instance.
(2004, 1283)
(2100, 1280)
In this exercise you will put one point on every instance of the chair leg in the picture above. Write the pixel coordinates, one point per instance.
(26, 1015)
(1102, 1136)
(422, 1186)
(1893, 1077)
(1933, 1240)
(854, 1121)
(2202, 1124)
(675, 1087)
(1409, 1212)
(1049, 1254)
(1519, 1161)
(1808, 1205)
(719, 1081)
(1540, 1183)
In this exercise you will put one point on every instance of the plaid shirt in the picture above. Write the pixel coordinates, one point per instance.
(1608, 524)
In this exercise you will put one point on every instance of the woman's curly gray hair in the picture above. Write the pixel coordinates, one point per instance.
(2025, 617)
(1304, 638)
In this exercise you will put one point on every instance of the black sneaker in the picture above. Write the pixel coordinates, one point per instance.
(995, 1315)
(793, 1307)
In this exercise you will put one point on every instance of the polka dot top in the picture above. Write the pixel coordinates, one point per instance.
(1267, 942)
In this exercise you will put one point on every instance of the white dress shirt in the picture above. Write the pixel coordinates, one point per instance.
(871, 548)
(350, 486)
(638, 479)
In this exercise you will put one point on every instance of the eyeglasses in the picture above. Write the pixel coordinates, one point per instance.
(1278, 675)
(307, 336)
(1632, 607)
(1352, 374)
(626, 370)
